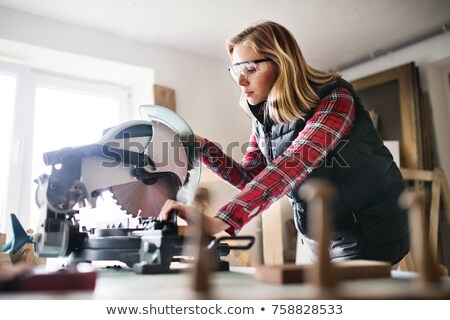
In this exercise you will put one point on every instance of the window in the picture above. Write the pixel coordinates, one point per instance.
(66, 116)
(8, 85)
(54, 111)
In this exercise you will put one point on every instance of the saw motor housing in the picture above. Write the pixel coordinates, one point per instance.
(156, 155)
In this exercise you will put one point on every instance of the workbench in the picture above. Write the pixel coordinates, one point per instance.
(237, 284)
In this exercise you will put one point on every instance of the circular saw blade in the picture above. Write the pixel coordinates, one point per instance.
(144, 200)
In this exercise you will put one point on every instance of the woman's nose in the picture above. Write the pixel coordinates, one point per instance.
(242, 80)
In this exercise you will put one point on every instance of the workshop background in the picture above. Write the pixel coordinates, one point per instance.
(138, 52)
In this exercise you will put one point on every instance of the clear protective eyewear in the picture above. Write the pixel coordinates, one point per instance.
(249, 69)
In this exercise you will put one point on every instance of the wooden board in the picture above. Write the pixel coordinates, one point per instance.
(2, 239)
(164, 96)
(394, 95)
(4, 256)
(23, 277)
(345, 270)
(272, 226)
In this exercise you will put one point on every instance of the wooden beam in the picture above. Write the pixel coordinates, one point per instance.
(414, 174)
(272, 235)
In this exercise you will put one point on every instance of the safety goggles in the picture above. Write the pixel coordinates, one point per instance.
(249, 69)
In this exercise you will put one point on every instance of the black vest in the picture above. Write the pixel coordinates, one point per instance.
(362, 169)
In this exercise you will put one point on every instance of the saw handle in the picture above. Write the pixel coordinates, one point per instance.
(169, 224)
(172, 217)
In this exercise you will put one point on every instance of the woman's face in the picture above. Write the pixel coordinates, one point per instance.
(258, 79)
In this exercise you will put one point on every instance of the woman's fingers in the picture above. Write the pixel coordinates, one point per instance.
(189, 213)
(170, 205)
(185, 212)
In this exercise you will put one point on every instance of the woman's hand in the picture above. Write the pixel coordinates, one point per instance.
(180, 208)
(211, 225)
(201, 141)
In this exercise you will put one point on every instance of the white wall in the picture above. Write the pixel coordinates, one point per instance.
(205, 94)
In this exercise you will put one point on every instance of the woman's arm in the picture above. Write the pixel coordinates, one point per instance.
(237, 174)
(332, 120)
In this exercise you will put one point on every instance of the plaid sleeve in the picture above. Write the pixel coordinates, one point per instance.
(332, 120)
(237, 174)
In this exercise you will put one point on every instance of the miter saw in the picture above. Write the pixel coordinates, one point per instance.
(142, 163)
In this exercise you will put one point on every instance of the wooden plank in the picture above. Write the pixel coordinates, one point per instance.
(345, 270)
(319, 195)
(407, 264)
(424, 260)
(445, 191)
(408, 96)
(164, 96)
(2, 239)
(434, 215)
(272, 235)
(287, 273)
(4, 256)
(426, 118)
(414, 174)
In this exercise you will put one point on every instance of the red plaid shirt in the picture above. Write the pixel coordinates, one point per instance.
(262, 184)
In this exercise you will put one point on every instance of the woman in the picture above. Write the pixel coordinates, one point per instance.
(307, 124)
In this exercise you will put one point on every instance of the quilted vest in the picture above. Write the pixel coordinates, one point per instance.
(360, 167)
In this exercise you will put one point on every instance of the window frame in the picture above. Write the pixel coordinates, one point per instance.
(18, 187)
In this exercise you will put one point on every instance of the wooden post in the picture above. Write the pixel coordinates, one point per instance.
(319, 195)
(272, 237)
(424, 258)
(202, 266)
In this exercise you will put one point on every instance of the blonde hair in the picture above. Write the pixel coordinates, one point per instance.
(292, 95)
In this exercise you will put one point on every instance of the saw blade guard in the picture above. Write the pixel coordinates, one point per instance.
(173, 153)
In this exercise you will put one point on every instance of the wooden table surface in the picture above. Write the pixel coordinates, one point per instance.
(238, 284)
